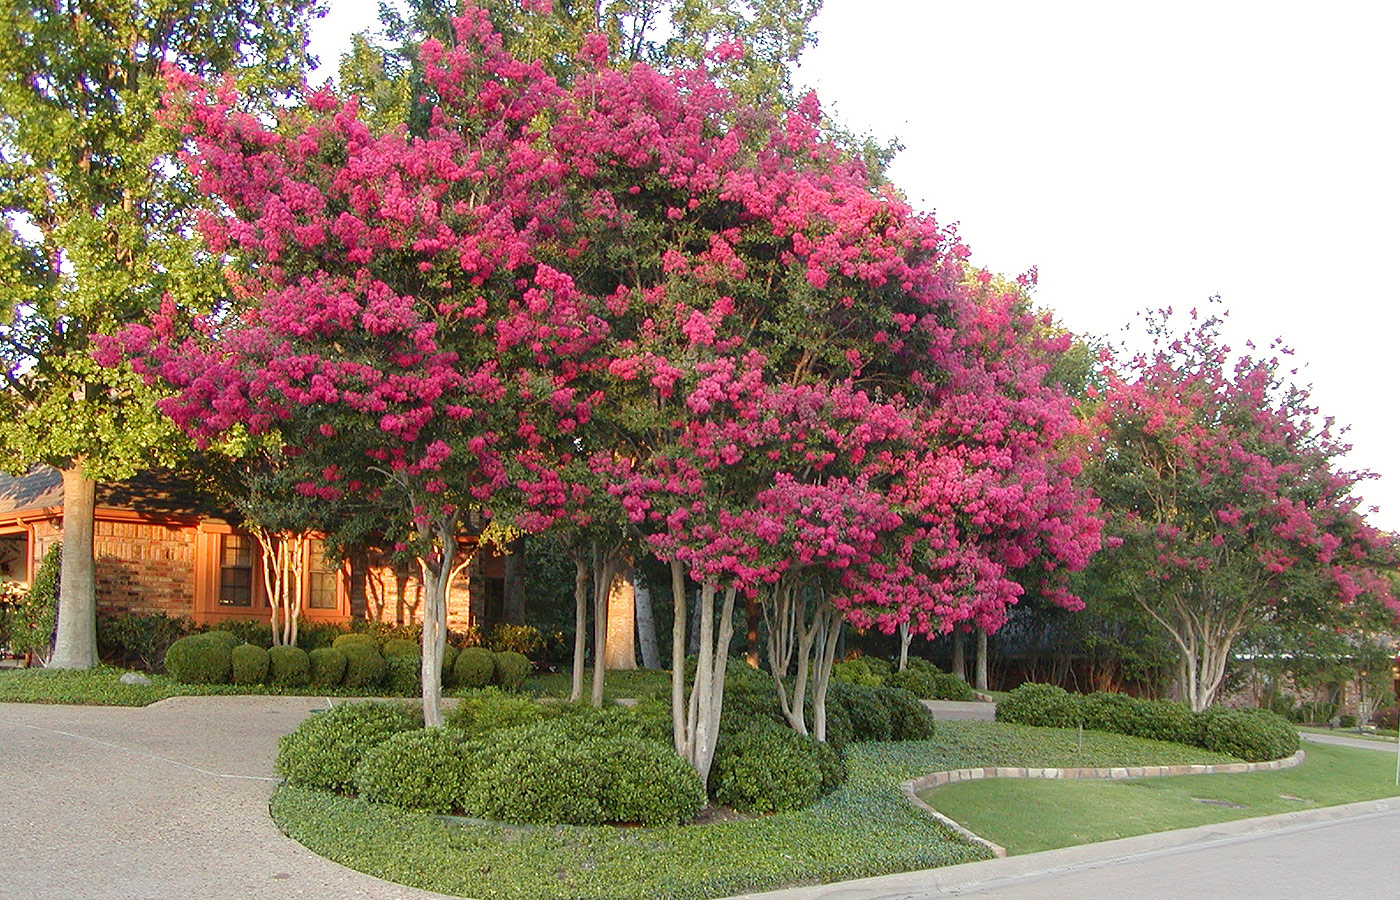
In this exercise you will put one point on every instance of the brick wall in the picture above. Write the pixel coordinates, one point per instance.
(143, 568)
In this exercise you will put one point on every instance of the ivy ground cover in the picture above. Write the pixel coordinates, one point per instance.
(865, 828)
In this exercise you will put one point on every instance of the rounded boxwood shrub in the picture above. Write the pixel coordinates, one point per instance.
(867, 711)
(225, 637)
(1039, 704)
(510, 669)
(919, 682)
(400, 647)
(404, 675)
(767, 769)
(449, 659)
(1164, 720)
(543, 774)
(200, 659)
(856, 671)
(327, 666)
(1116, 713)
(288, 666)
(1253, 735)
(948, 686)
(910, 720)
(480, 712)
(324, 750)
(344, 640)
(475, 667)
(364, 667)
(248, 664)
(424, 769)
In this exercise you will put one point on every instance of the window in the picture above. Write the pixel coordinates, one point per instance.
(321, 578)
(236, 571)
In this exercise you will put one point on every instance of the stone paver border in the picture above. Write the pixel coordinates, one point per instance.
(912, 787)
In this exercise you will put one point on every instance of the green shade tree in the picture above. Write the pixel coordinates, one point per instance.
(93, 231)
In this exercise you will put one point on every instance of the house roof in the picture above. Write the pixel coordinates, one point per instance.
(155, 492)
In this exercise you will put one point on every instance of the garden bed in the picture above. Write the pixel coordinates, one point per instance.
(864, 828)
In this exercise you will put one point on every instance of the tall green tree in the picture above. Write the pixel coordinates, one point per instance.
(95, 230)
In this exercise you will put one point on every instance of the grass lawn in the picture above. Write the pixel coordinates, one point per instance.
(101, 686)
(1025, 815)
(637, 683)
(865, 828)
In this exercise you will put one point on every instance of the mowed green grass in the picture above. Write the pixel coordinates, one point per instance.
(1027, 815)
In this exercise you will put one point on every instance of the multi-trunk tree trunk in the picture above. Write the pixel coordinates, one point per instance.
(282, 569)
(695, 718)
(801, 623)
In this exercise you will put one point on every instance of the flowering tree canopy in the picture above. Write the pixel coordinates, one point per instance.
(631, 300)
(1226, 508)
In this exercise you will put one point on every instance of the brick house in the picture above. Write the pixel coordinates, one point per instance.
(161, 548)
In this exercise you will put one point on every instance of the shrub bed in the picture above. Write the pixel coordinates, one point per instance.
(324, 750)
(475, 667)
(480, 712)
(510, 669)
(1253, 735)
(422, 769)
(327, 666)
(770, 768)
(364, 667)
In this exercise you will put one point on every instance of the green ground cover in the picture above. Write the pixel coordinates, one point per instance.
(101, 686)
(1027, 815)
(864, 828)
(637, 683)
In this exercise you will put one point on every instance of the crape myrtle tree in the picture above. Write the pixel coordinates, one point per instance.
(562, 299)
(94, 230)
(1226, 507)
(391, 322)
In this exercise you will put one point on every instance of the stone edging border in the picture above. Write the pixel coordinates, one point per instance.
(912, 787)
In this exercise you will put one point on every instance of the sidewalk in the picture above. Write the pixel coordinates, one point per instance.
(1341, 740)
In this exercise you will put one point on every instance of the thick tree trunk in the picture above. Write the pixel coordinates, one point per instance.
(622, 623)
(959, 655)
(981, 665)
(76, 644)
(646, 625)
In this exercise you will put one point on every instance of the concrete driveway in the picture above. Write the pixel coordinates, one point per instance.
(168, 802)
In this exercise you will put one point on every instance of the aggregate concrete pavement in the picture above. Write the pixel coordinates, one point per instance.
(165, 802)
(1341, 740)
(976, 710)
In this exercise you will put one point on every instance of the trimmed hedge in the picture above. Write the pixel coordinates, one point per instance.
(404, 675)
(480, 712)
(400, 647)
(544, 774)
(200, 659)
(327, 666)
(772, 769)
(910, 720)
(248, 664)
(288, 666)
(449, 659)
(510, 669)
(424, 769)
(344, 640)
(1040, 704)
(866, 710)
(324, 750)
(364, 667)
(475, 667)
(1254, 735)
(856, 671)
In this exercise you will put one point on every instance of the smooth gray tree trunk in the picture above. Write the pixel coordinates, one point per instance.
(960, 655)
(646, 625)
(981, 665)
(76, 644)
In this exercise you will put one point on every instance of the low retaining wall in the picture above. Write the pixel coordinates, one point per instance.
(912, 787)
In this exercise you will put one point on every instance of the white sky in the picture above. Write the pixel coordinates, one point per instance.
(1144, 155)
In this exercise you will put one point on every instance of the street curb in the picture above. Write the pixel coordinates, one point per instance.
(913, 786)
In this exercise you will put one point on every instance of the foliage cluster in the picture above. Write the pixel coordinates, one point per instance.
(324, 750)
(33, 616)
(1253, 735)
